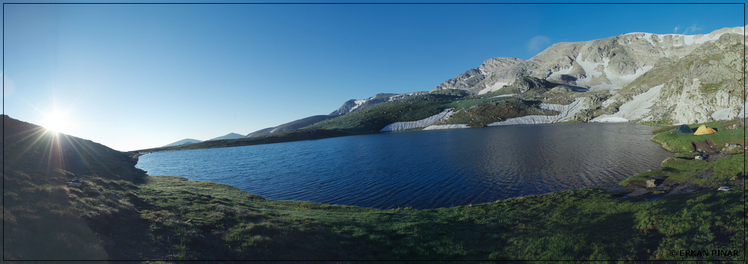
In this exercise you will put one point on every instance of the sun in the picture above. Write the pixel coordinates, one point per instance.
(56, 121)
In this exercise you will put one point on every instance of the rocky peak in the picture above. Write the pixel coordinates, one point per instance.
(495, 70)
(608, 63)
(353, 104)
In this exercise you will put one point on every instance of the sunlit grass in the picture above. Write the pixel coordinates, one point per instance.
(173, 219)
(682, 143)
(575, 225)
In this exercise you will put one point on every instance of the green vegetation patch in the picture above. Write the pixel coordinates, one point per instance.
(682, 143)
(198, 220)
(681, 170)
(486, 113)
(684, 168)
(174, 219)
(374, 118)
(462, 104)
(710, 88)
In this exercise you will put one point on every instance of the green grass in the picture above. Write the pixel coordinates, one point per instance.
(464, 104)
(374, 118)
(684, 169)
(173, 219)
(485, 113)
(688, 171)
(585, 224)
(682, 143)
(199, 220)
(710, 88)
(46, 220)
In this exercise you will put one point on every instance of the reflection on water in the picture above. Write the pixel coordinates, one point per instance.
(425, 169)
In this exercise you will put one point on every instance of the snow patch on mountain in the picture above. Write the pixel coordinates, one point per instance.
(405, 95)
(358, 104)
(497, 86)
(419, 123)
(589, 67)
(637, 108)
(504, 95)
(559, 73)
(566, 112)
(450, 126)
(610, 119)
(622, 80)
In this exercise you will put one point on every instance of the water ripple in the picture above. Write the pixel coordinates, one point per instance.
(425, 169)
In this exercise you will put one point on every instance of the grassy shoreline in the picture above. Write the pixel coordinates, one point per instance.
(584, 224)
(116, 215)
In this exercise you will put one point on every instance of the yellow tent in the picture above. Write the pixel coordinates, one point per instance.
(704, 130)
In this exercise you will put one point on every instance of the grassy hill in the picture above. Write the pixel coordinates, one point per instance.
(46, 220)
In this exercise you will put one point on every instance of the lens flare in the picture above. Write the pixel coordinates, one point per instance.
(56, 121)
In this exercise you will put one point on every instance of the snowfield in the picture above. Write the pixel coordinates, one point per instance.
(419, 123)
(497, 86)
(634, 109)
(453, 126)
(566, 113)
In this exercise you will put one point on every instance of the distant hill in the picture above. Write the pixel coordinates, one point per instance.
(261, 132)
(228, 136)
(185, 141)
(293, 125)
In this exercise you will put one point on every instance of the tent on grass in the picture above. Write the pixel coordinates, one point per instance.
(704, 130)
(684, 129)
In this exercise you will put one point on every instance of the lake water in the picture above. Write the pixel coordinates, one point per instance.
(425, 169)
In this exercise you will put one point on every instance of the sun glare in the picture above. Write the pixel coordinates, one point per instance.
(56, 121)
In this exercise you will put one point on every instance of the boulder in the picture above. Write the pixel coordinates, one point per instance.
(730, 148)
(651, 183)
(74, 184)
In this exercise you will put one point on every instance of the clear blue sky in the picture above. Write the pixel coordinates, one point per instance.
(140, 76)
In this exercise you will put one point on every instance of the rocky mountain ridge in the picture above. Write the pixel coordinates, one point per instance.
(643, 77)
(700, 74)
(609, 63)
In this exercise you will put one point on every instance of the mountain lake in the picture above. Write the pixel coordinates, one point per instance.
(426, 169)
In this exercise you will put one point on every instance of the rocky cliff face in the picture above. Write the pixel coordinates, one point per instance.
(698, 77)
(492, 75)
(666, 78)
(705, 85)
(609, 63)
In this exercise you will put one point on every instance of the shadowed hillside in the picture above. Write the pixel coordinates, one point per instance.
(47, 220)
